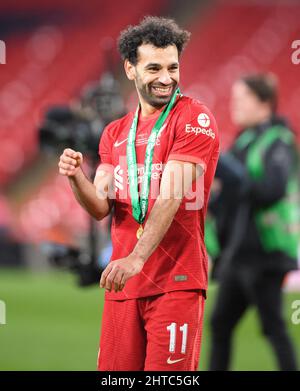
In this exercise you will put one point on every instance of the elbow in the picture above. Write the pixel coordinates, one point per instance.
(103, 211)
(100, 216)
(269, 197)
(269, 192)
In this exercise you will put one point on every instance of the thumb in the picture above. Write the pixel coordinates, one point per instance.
(78, 156)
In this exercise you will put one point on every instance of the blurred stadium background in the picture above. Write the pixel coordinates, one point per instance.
(62, 68)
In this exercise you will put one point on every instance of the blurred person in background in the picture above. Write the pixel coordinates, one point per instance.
(5, 230)
(256, 211)
(11, 251)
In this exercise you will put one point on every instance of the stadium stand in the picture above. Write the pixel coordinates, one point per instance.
(218, 55)
(215, 57)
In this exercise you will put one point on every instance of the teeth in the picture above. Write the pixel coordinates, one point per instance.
(162, 89)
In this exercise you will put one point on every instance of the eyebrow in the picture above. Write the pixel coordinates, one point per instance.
(156, 65)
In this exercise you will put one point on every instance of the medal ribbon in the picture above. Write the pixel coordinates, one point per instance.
(140, 203)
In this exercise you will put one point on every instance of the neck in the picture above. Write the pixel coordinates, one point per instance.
(262, 119)
(147, 110)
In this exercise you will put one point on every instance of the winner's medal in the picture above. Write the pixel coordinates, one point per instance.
(140, 203)
(139, 231)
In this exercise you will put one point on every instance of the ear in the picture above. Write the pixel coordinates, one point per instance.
(129, 70)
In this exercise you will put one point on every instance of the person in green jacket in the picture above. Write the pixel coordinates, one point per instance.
(257, 223)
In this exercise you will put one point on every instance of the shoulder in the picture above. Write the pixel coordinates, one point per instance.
(279, 150)
(193, 116)
(194, 110)
(113, 128)
(112, 131)
(191, 105)
(279, 137)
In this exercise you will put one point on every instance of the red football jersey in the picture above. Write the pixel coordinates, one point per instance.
(180, 261)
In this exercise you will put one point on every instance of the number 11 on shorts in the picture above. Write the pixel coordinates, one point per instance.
(172, 328)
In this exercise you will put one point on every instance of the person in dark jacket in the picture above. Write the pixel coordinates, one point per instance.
(255, 177)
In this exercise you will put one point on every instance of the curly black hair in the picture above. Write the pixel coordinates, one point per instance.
(158, 31)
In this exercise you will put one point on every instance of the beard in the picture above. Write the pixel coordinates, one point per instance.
(154, 97)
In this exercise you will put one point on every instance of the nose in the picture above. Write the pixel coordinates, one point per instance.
(164, 77)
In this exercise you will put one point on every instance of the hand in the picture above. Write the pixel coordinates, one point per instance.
(70, 162)
(119, 271)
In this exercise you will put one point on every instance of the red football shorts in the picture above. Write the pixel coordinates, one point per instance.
(158, 333)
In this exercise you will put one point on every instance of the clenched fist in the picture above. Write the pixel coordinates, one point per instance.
(70, 162)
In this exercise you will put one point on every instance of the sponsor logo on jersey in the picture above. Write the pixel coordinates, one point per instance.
(170, 361)
(198, 130)
(118, 143)
(156, 173)
(142, 139)
(203, 120)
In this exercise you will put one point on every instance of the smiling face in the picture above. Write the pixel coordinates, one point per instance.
(156, 74)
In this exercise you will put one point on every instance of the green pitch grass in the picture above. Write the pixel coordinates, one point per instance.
(54, 325)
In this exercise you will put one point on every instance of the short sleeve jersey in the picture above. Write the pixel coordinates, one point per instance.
(180, 261)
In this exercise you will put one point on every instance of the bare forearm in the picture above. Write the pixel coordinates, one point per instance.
(85, 193)
(157, 225)
(172, 191)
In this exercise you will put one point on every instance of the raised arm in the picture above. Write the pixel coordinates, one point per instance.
(93, 197)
